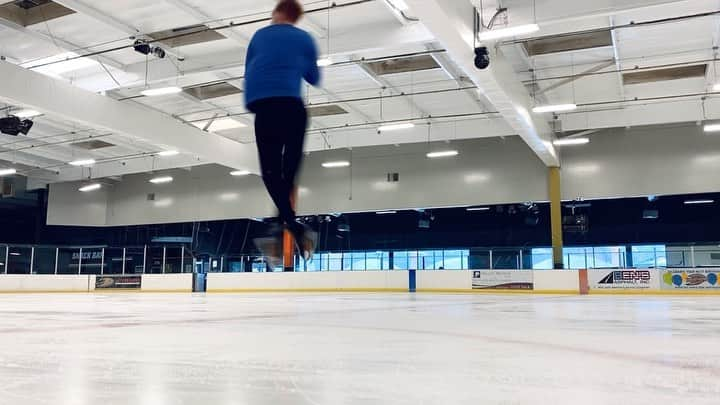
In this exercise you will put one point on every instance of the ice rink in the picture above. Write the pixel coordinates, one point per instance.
(358, 349)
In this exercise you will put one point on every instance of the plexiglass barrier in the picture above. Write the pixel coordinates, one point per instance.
(16, 259)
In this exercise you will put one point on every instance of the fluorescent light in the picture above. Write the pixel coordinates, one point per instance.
(554, 108)
(7, 172)
(161, 180)
(386, 212)
(83, 162)
(58, 64)
(509, 32)
(712, 128)
(331, 165)
(396, 127)
(25, 114)
(220, 124)
(324, 62)
(478, 209)
(15, 254)
(239, 173)
(399, 4)
(694, 202)
(90, 187)
(442, 154)
(167, 153)
(571, 141)
(162, 91)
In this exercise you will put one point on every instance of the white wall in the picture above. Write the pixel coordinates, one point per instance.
(672, 159)
(617, 163)
(68, 206)
(488, 171)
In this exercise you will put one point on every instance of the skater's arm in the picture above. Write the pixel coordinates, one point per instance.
(312, 73)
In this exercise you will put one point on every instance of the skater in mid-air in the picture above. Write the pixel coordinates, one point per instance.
(279, 57)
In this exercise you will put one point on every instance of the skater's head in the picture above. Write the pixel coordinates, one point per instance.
(287, 12)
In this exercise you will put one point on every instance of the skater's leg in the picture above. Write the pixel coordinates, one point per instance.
(294, 141)
(270, 137)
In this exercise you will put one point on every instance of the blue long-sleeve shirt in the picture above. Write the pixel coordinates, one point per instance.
(278, 58)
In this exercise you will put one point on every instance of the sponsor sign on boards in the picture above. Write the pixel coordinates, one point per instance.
(623, 279)
(502, 280)
(125, 282)
(691, 279)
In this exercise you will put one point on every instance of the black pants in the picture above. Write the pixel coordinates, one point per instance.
(280, 124)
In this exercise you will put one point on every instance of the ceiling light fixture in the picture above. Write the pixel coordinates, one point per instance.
(332, 165)
(240, 173)
(712, 128)
(324, 62)
(220, 124)
(396, 127)
(554, 108)
(161, 180)
(697, 202)
(571, 141)
(168, 153)
(162, 91)
(83, 162)
(478, 208)
(57, 65)
(7, 172)
(442, 154)
(24, 114)
(386, 212)
(509, 32)
(90, 187)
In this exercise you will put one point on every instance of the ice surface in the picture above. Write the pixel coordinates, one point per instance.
(358, 349)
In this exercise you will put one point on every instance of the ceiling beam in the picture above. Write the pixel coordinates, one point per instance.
(451, 23)
(65, 101)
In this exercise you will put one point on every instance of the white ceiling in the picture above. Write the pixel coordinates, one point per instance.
(368, 30)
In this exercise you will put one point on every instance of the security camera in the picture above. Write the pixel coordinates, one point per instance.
(482, 58)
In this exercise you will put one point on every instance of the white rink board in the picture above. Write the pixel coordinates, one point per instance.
(556, 280)
(47, 283)
(167, 282)
(341, 280)
(429, 280)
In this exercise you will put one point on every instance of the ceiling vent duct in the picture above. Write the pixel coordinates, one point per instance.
(92, 145)
(211, 91)
(191, 35)
(659, 75)
(326, 110)
(31, 12)
(568, 43)
(403, 65)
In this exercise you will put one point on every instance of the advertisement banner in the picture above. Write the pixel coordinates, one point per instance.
(502, 280)
(623, 279)
(691, 279)
(125, 282)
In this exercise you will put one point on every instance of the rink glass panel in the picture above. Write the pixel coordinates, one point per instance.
(19, 260)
